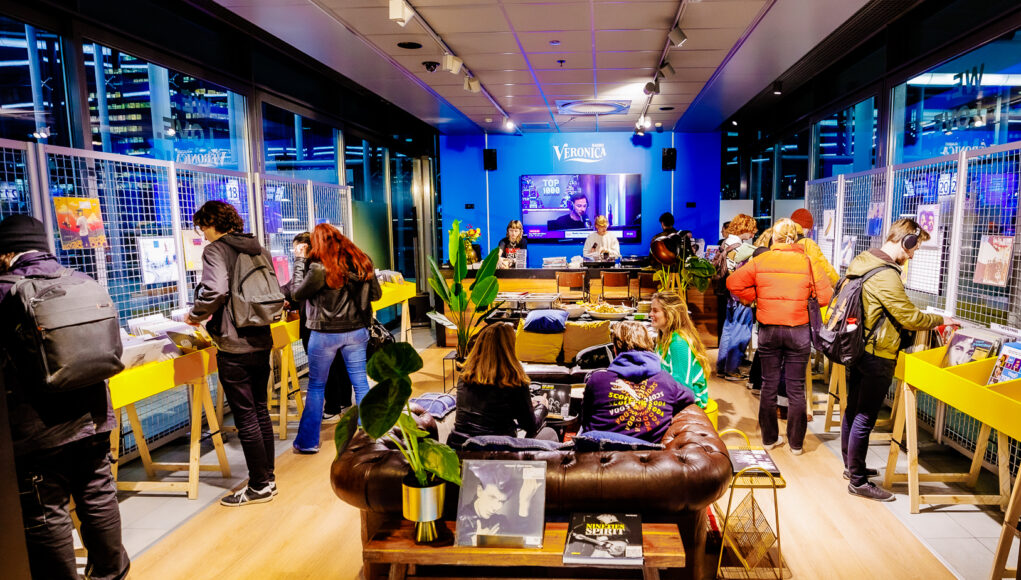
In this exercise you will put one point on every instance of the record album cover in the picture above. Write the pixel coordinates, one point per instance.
(501, 503)
(604, 539)
(970, 344)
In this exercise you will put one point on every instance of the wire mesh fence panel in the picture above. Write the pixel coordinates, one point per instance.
(926, 191)
(330, 205)
(821, 201)
(285, 214)
(196, 186)
(15, 193)
(989, 278)
(864, 213)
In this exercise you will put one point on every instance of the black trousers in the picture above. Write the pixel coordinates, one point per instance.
(784, 349)
(868, 382)
(339, 391)
(46, 481)
(244, 378)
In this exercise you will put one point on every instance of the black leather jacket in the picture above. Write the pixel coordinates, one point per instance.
(333, 309)
(490, 410)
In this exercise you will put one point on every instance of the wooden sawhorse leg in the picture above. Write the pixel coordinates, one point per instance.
(1007, 535)
(289, 385)
(836, 396)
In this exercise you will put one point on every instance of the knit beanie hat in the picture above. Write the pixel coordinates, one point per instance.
(21, 233)
(803, 218)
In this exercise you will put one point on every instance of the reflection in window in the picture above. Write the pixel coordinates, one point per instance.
(365, 164)
(793, 166)
(970, 102)
(847, 140)
(33, 104)
(405, 219)
(730, 170)
(149, 111)
(299, 147)
(760, 184)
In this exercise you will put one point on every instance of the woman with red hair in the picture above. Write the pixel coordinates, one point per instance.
(339, 284)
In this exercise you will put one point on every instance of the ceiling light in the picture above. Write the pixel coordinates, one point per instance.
(652, 88)
(472, 84)
(734, 123)
(777, 88)
(676, 36)
(667, 70)
(489, 119)
(640, 133)
(401, 12)
(554, 43)
(508, 124)
(409, 45)
(658, 124)
(452, 64)
(666, 108)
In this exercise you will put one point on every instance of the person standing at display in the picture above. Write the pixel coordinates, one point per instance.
(780, 282)
(61, 441)
(338, 384)
(511, 243)
(492, 393)
(339, 285)
(737, 325)
(576, 218)
(600, 244)
(683, 353)
(887, 307)
(242, 355)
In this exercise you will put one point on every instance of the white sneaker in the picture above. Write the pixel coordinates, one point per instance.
(779, 442)
(797, 451)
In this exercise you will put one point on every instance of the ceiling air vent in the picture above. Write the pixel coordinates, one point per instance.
(593, 107)
(534, 126)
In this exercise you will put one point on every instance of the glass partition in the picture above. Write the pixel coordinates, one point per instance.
(403, 215)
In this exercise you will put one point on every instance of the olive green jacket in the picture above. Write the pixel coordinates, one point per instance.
(886, 290)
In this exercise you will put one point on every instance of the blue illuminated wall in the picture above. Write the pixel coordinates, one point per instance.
(697, 180)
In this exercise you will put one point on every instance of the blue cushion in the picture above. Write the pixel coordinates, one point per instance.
(439, 405)
(550, 321)
(610, 441)
(507, 443)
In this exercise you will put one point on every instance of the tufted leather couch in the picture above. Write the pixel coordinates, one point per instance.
(674, 485)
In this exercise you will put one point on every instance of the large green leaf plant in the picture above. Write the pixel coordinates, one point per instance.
(386, 405)
(482, 292)
(694, 272)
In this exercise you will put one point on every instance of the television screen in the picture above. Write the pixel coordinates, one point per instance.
(563, 208)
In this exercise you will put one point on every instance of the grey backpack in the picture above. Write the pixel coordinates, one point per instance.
(66, 334)
(255, 297)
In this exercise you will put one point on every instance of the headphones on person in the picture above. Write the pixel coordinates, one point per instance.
(909, 241)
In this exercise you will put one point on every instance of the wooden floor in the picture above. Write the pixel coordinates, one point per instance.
(306, 532)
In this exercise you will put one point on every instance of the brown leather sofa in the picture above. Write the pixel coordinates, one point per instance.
(673, 485)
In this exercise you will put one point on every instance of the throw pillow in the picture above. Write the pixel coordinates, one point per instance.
(610, 441)
(547, 321)
(507, 443)
(537, 347)
(439, 405)
(580, 335)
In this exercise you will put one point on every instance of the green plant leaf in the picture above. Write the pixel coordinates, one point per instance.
(461, 269)
(398, 359)
(458, 298)
(440, 460)
(436, 281)
(409, 427)
(382, 405)
(453, 241)
(488, 267)
(346, 428)
(485, 292)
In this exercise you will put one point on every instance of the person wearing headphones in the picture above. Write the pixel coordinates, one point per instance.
(868, 380)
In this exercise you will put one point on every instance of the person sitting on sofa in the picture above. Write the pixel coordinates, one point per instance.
(492, 394)
(634, 396)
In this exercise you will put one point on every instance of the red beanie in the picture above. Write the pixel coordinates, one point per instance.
(803, 218)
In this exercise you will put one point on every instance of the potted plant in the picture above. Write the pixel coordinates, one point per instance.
(481, 293)
(385, 406)
(679, 267)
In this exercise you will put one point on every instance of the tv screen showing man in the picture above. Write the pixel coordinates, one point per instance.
(576, 218)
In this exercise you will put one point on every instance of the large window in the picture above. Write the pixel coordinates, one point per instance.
(33, 103)
(730, 166)
(147, 110)
(299, 147)
(847, 140)
(793, 166)
(760, 184)
(970, 102)
(365, 164)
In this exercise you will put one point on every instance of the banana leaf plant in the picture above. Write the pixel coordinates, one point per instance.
(693, 272)
(386, 405)
(481, 293)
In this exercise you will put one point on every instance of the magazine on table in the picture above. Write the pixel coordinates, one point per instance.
(1008, 364)
(604, 539)
(557, 397)
(501, 503)
(745, 458)
(970, 344)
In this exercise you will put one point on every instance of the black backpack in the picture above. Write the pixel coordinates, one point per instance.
(719, 278)
(66, 334)
(842, 339)
(255, 296)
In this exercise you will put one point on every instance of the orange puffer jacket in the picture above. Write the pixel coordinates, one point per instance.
(779, 284)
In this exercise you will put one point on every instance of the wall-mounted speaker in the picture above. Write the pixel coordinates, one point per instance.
(489, 159)
(669, 159)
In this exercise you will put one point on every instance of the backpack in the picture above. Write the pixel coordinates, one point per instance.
(719, 278)
(842, 339)
(66, 331)
(255, 296)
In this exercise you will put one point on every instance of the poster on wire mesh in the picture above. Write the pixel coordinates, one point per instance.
(80, 223)
(993, 265)
(829, 224)
(928, 218)
(874, 222)
(157, 256)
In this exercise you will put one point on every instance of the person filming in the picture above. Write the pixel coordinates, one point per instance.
(601, 244)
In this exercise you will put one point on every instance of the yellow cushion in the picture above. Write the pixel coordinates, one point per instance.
(581, 335)
(535, 347)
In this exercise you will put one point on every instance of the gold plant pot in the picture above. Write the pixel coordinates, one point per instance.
(423, 505)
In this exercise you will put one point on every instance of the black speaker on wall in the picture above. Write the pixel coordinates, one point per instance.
(489, 159)
(669, 159)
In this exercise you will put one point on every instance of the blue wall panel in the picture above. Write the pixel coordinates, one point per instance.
(697, 179)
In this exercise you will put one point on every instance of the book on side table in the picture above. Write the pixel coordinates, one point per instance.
(604, 539)
(745, 458)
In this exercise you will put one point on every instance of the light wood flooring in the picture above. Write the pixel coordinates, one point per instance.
(306, 532)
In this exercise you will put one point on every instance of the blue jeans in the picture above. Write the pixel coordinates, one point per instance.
(323, 347)
(737, 331)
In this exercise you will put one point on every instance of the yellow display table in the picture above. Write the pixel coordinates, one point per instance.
(398, 293)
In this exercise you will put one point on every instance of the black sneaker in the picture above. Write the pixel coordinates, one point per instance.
(870, 491)
(248, 496)
(869, 472)
(273, 488)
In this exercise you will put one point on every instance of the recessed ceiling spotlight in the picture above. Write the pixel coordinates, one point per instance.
(734, 123)
(666, 108)
(554, 43)
(508, 124)
(409, 45)
(489, 119)
(658, 124)
(777, 88)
